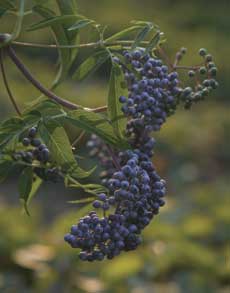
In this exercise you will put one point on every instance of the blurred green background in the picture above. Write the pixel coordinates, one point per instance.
(187, 247)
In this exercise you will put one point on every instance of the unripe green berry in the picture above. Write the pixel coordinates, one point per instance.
(183, 50)
(191, 73)
(203, 70)
(187, 91)
(206, 82)
(208, 58)
(211, 64)
(202, 52)
(205, 92)
(213, 71)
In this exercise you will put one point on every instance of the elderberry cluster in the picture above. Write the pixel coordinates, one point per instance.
(36, 151)
(153, 91)
(135, 190)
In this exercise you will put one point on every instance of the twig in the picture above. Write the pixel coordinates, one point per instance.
(13, 101)
(78, 139)
(165, 56)
(87, 45)
(114, 158)
(187, 67)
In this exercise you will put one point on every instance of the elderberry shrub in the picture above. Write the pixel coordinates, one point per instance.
(136, 191)
(38, 152)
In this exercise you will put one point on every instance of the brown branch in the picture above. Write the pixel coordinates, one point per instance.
(25, 71)
(11, 97)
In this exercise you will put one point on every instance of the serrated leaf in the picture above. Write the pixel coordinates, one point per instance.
(90, 65)
(56, 139)
(95, 123)
(153, 43)
(117, 88)
(123, 33)
(80, 24)
(25, 184)
(141, 36)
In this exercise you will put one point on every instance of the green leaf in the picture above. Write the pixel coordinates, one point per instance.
(2, 11)
(7, 4)
(56, 139)
(95, 123)
(53, 20)
(25, 184)
(91, 64)
(141, 35)
(80, 24)
(123, 33)
(58, 143)
(68, 8)
(5, 168)
(82, 200)
(35, 187)
(12, 129)
(89, 188)
(66, 55)
(153, 43)
(117, 88)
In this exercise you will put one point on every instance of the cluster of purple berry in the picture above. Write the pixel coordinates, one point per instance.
(136, 191)
(38, 152)
(152, 93)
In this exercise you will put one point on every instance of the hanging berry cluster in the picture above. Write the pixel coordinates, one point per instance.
(136, 191)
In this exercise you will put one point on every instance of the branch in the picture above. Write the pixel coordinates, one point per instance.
(114, 158)
(65, 103)
(13, 101)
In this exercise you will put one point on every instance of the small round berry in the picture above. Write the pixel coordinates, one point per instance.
(183, 50)
(102, 197)
(191, 73)
(202, 52)
(32, 132)
(26, 141)
(35, 142)
(97, 204)
(213, 71)
(208, 58)
(202, 70)
(122, 99)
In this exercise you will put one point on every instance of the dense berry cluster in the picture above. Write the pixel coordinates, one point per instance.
(153, 91)
(36, 151)
(136, 191)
